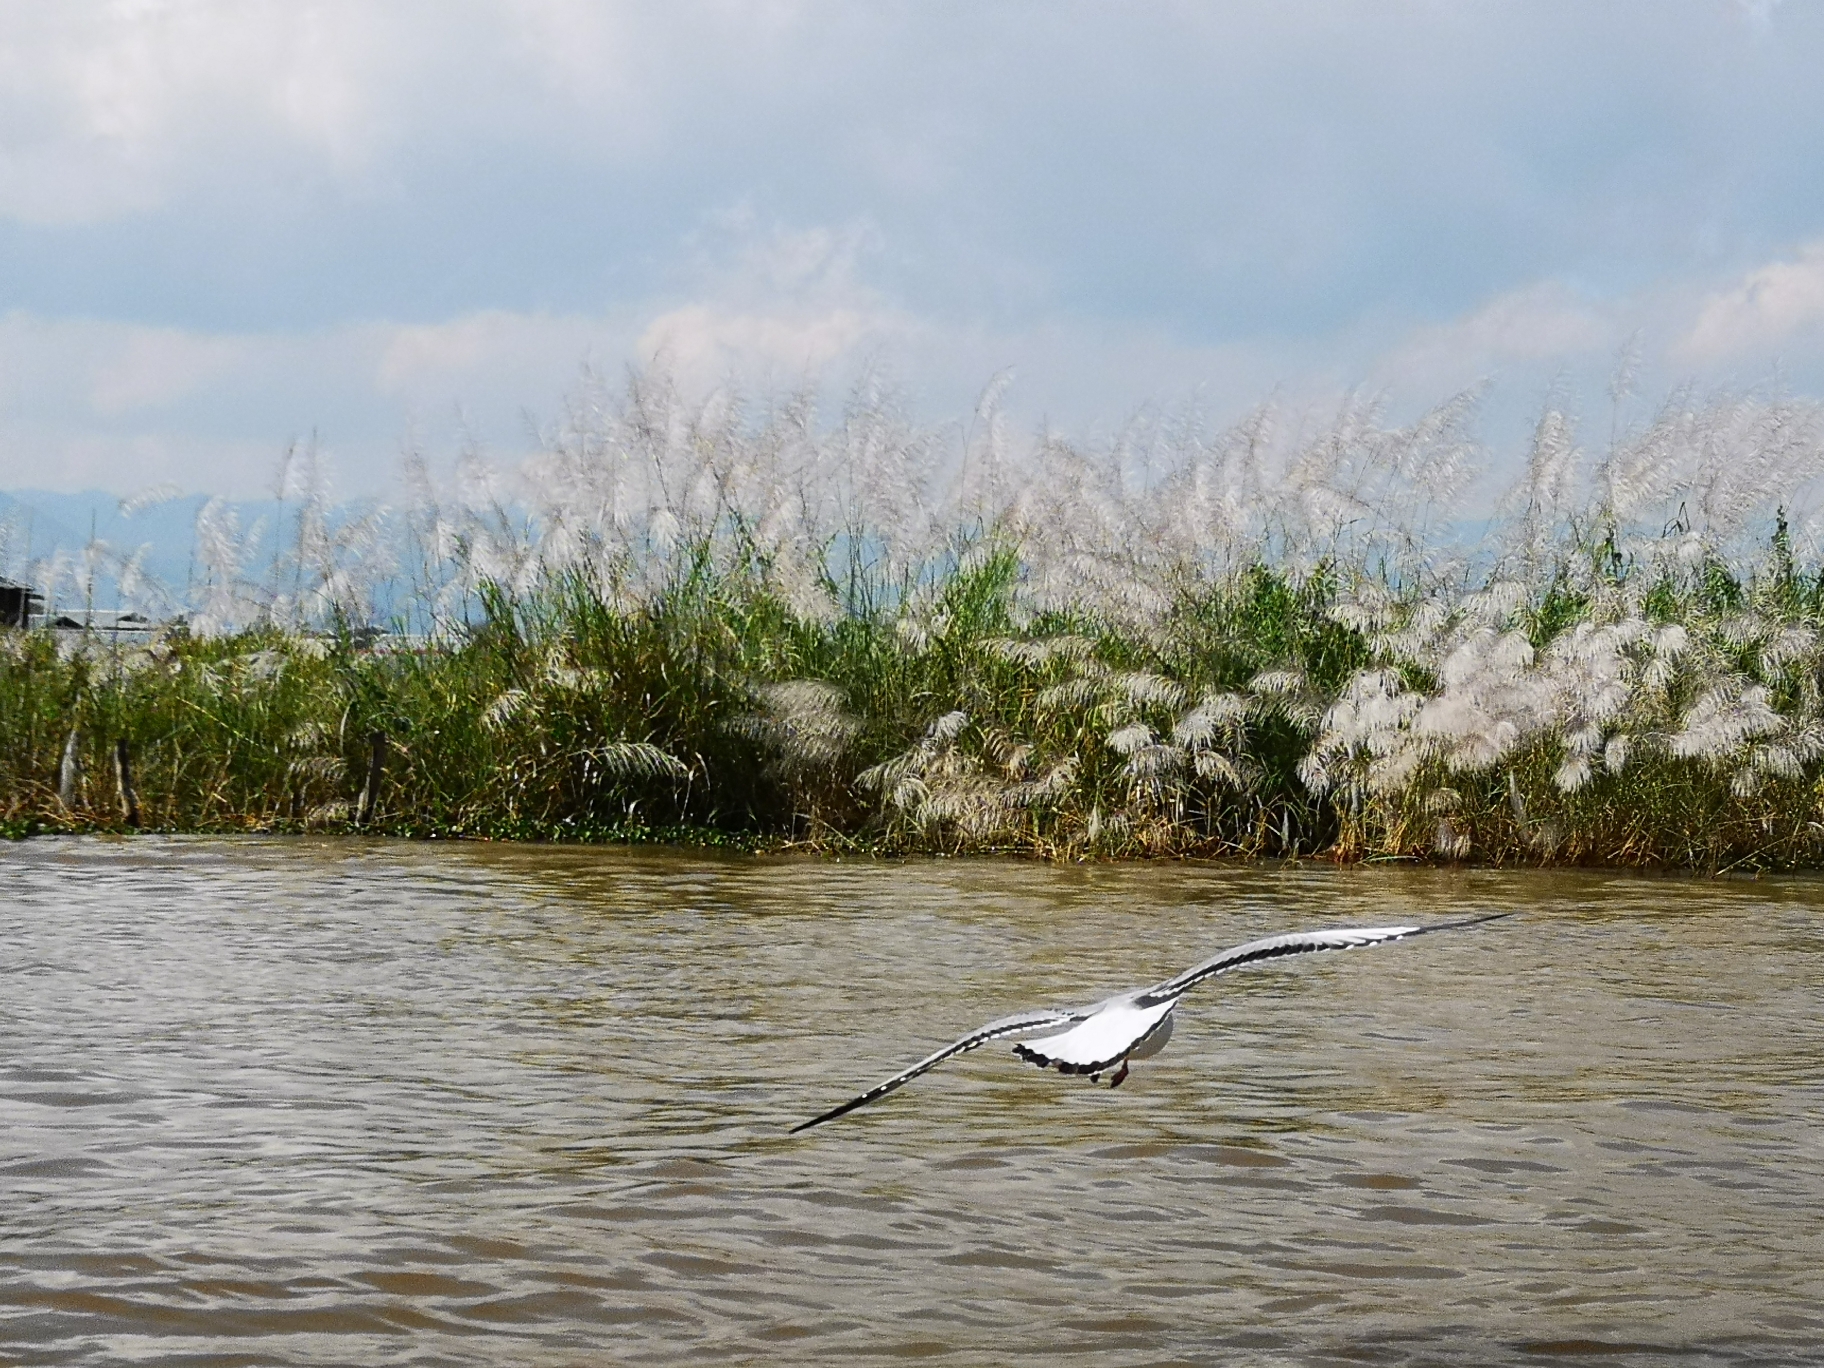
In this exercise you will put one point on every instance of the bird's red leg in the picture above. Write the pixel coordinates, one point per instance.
(1117, 1080)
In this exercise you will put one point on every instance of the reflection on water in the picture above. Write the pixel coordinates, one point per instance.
(285, 1102)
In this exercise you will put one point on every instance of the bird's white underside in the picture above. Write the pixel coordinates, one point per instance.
(1112, 1034)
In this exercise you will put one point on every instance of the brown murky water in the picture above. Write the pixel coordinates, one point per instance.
(339, 1103)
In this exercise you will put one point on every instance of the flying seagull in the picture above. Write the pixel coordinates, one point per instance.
(1134, 1024)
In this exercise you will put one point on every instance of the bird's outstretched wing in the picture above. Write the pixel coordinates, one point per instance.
(1017, 1024)
(1295, 943)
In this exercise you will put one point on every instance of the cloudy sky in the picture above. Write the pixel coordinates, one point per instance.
(226, 224)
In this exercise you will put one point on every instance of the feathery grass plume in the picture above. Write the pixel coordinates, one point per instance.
(633, 759)
(938, 791)
(1214, 736)
(804, 722)
(805, 729)
(149, 497)
(226, 601)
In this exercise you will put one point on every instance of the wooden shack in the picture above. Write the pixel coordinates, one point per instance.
(18, 604)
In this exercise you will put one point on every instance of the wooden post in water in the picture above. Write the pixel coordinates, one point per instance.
(123, 771)
(69, 772)
(376, 767)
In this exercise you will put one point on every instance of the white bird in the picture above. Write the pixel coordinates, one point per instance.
(1134, 1024)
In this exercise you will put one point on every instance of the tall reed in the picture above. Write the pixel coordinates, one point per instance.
(746, 623)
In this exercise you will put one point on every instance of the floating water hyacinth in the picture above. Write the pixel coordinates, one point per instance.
(734, 620)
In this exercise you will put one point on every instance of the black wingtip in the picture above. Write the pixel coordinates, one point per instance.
(1466, 921)
(830, 1115)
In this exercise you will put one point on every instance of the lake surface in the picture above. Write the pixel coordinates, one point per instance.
(287, 1102)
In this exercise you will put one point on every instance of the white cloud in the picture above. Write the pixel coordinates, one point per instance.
(68, 457)
(156, 367)
(94, 402)
(1515, 333)
(775, 306)
(114, 107)
(86, 403)
(1537, 322)
(704, 344)
(481, 355)
(107, 106)
(1768, 308)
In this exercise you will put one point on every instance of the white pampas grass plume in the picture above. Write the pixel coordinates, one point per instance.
(1722, 720)
(632, 760)
(804, 721)
(504, 709)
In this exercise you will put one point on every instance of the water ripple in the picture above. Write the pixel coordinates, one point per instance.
(331, 1102)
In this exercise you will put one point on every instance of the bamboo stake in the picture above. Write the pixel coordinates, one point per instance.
(376, 767)
(123, 771)
(69, 772)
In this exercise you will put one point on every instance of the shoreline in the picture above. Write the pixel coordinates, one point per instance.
(760, 846)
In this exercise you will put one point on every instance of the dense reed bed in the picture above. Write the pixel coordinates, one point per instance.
(726, 623)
